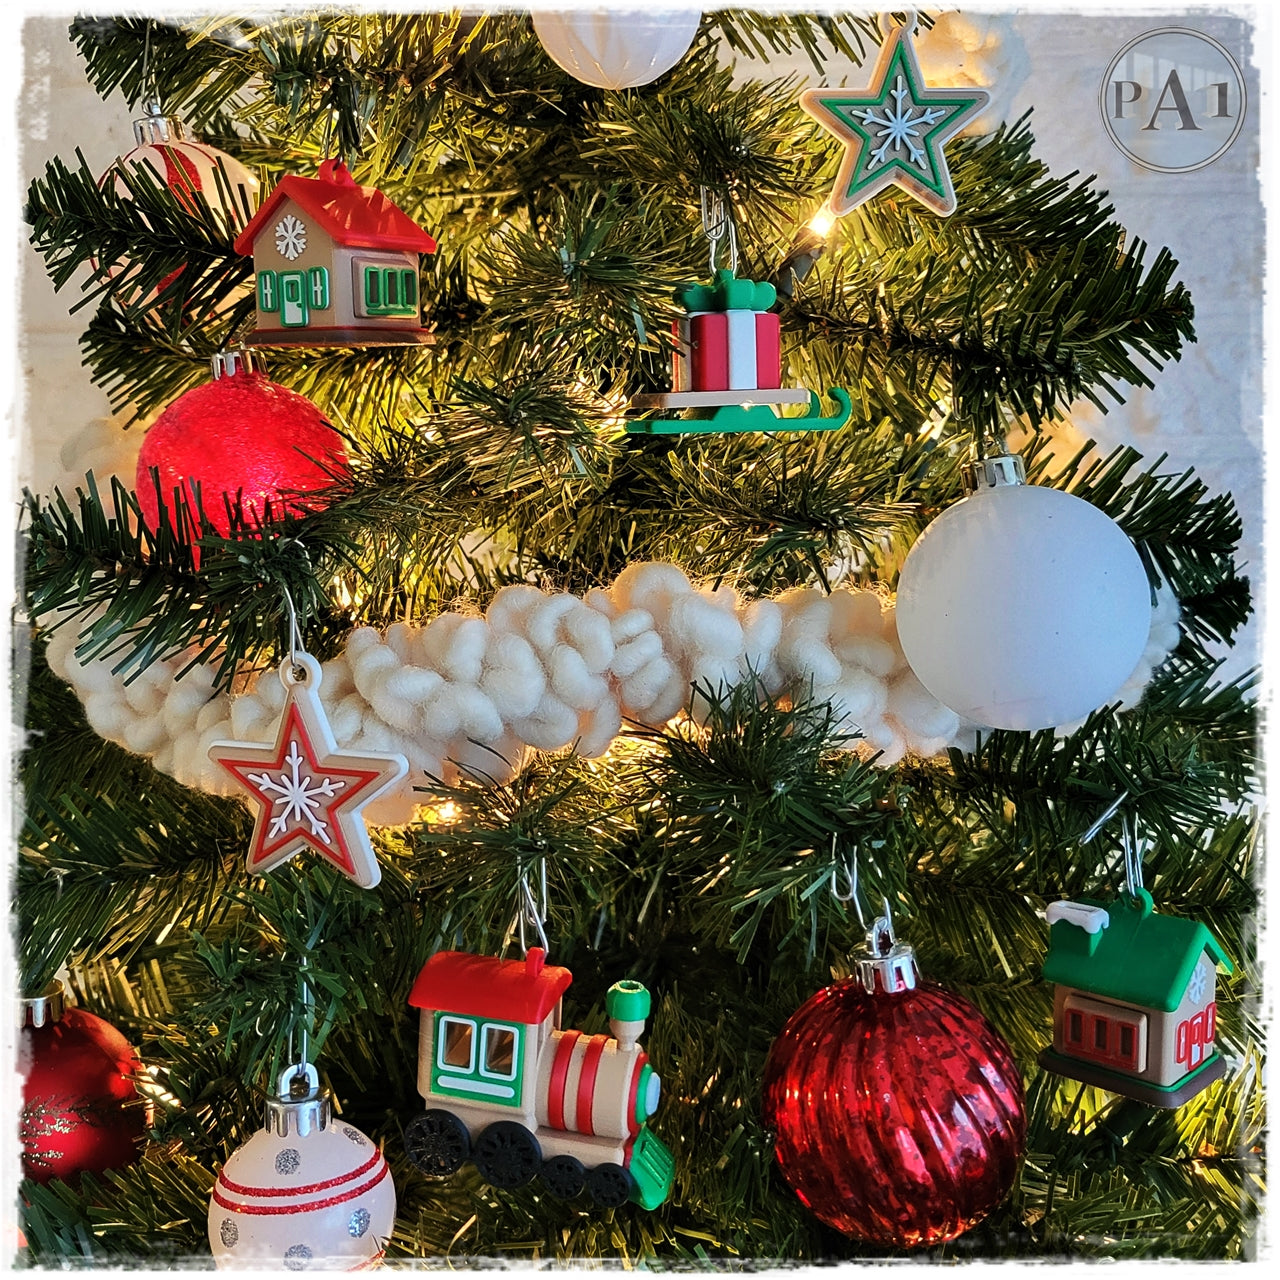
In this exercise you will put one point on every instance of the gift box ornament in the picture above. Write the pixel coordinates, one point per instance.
(727, 367)
(730, 340)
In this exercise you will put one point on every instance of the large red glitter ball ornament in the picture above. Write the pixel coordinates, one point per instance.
(80, 1110)
(897, 1108)
(244, 435)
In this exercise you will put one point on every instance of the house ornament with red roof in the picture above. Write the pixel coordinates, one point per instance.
(1135, 1002)
(336, 264)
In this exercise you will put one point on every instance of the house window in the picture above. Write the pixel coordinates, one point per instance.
(387, 291)
(1109, 1034)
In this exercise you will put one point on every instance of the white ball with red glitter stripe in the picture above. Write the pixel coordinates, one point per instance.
(307, 1192)
(187, 169)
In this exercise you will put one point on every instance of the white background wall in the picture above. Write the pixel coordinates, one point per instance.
(1204, 412)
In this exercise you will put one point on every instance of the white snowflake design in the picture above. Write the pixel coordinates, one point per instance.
(299, 795)
(1199, 983)
(898, 127)
(291, 236)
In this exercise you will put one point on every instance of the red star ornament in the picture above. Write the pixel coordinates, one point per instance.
(894, 130)
(309, 794)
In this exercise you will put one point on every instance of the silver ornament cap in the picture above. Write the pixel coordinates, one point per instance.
(155, 128)
(997, 472)
(297, 1111)
(889, 965)
(44, 1009)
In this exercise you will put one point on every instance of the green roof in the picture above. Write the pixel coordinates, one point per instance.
(1140, 957)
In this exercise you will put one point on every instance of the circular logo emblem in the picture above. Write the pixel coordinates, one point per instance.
(1173, 100)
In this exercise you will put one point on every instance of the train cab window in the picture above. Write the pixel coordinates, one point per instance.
(499, 1052)
(457, 1044)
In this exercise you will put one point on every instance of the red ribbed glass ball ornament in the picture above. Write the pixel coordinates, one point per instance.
(898, 1115)
(80, 1110)
(240, 434)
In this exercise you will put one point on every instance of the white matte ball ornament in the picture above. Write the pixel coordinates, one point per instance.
(305, 1193)
(1023, 607)
(616, 50)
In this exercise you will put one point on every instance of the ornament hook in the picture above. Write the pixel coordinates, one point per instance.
(1133, 885)
(717, 223)
(531, 910)
(849, 868)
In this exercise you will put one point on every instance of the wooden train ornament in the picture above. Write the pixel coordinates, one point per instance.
(336, 265)
(1135, 1000)
(727, 367)
(508, 1088)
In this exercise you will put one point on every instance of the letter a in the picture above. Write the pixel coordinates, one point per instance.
(1173, 88)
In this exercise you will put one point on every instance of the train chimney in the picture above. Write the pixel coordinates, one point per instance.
(627, 1004)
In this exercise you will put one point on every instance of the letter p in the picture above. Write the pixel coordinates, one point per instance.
(1119, 97)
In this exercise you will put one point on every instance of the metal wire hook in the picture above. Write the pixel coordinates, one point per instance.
(1103, 818)
(147, 72)
(850, 868)
(1132, 857)
(717, 223)
(1128, 842)
(295, 634)
(531, 909)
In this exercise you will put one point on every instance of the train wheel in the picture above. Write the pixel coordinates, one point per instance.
(609, 1184)
(437, 1142)
(507, 1155)
(564, 1177)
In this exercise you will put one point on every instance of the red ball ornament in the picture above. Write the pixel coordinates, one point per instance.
(80, 1110)
(240, 434)
(898, 1110)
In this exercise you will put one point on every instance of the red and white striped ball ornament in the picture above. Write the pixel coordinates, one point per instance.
(307, 1192)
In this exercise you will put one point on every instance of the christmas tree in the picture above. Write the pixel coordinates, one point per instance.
(643, 669)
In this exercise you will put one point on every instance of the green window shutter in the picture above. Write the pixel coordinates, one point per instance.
(268, 293)
(318, 279)
(294, 313)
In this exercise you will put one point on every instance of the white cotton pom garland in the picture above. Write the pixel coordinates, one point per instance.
(549, 671)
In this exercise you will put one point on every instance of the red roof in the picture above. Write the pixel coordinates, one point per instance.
(517, 990)
(351, 215)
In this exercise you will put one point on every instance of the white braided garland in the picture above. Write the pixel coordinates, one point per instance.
(542, 671)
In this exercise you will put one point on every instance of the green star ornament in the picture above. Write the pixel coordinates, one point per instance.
(894, 130)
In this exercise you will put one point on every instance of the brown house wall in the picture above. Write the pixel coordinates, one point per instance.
(1163, 1067)
(321, 251)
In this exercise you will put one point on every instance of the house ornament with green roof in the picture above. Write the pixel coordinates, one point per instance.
(336, 264)
(1134, 1009)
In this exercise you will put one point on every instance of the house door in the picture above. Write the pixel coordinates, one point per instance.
(293, 299)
